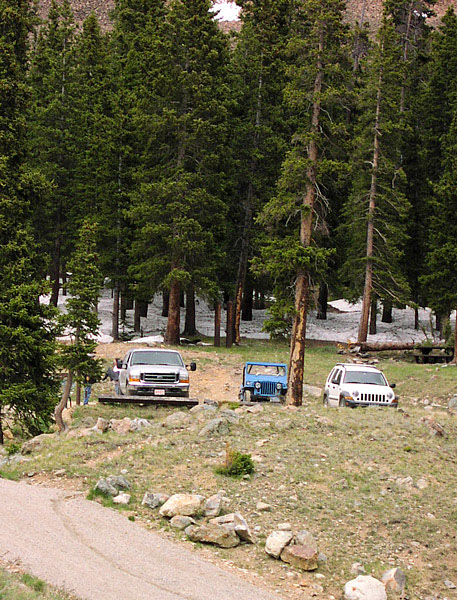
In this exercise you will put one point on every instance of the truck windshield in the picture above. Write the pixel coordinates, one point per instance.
(172, 359)
(367, 377)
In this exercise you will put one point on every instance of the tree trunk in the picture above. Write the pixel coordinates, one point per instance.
(61, 425)
(373, 315)
(64, 280)
(137, 317)
(437, 321)
(298, 340)
(123, 308)
(143, 309)
(55, 271)
(387, 311)
(174, 315)
(246, 314)
(165, 303)
(115, 318)
(230, 322)
(455, 345)
(182, 300)
(368, 287)
(77, 394)
(217, 325)
(1, 427)
(322, 302)
(380, 346)
(190, 328)
(416, 318)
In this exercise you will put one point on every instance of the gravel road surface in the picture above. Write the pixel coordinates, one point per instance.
(98, 554)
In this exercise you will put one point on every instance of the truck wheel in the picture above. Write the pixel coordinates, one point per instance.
(325, 400)
(342, 402)
(129, 391)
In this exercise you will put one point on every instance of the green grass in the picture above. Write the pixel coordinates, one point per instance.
(16, 586)
(332, 471)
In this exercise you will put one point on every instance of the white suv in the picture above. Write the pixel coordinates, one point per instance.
(358, 385)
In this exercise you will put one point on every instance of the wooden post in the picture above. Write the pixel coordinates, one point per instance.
(217, 325)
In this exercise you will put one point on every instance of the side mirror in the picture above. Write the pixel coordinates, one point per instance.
(192, 366)
(393, 385)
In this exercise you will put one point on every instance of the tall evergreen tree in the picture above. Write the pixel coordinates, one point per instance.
(52, 131)
(375, 213)
(178, 210)
(27, 384)
(81, 320)
(316, 94)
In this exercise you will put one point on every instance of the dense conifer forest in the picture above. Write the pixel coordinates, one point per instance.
(299, 158)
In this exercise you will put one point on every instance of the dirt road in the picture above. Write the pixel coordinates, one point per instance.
(98, 554)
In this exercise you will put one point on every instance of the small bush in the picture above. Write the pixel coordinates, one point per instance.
(236, 464)
(13, 448)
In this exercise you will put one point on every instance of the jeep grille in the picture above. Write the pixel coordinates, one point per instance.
(268, 388)
(159, 377)
(374, 398)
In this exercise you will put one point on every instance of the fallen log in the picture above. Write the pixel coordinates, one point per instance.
(383, 346)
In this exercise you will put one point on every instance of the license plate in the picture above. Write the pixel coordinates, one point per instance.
(159, 392)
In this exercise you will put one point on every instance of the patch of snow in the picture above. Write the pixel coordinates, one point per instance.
(150, 340)
(227, 11)
(345, 306)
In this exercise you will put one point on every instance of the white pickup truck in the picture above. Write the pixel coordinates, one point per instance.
(156, 372)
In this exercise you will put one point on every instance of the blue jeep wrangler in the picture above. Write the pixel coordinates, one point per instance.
(263, 382)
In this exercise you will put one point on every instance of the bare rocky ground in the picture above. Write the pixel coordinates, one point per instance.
(375, 487)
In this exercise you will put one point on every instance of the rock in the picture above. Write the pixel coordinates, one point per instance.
(153, 500)
(187, 505)
(205, 409)
(229, 415)
(181, 522)
(257, 408)
(139, 424)
(263, 507)
(215, 426)
(285, 527)
(311, 390)
(36, 443)
(101, 424)
(422, 483)
(449, 584)
(8, 435)
(434, 427)
(305, 538)
(119, 482)
(405, 481)
(122, 498)
(452, 404)
(212, 533)
(237, 523)
(106, 488)
(121, 426)
(87, 422)
(357, 568)
(213, 506)
(394, 580)
(364, 587)
(177, 420)
(301, 557)
(277, 541)
(322, 558)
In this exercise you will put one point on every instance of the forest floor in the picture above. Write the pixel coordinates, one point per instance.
(375, 486)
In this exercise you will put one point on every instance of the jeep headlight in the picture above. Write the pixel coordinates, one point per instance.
(390, 395)
(279, 386)
(257, 385)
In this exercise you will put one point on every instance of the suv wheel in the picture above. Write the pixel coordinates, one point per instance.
(342, 402)
(325, 400)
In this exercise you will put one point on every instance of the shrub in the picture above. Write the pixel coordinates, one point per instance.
(236, 464)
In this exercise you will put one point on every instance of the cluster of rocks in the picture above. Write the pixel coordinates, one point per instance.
(366, 586)
(206, 418)
(201, 518)
(299, 550)
(122, 426)
(116, 487)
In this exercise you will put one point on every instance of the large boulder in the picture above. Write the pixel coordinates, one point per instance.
(139, 424)
(452, 404)
(121, 426)
(180, 522)
(236, 522)
(122, 498)
(177, 420)
(214, 504)
(119, 482)
(36, 443)
(107, 489)
(187, 505)
(213, 534)
(301, 557)
(229, 415)
(277, 541)
(101, 425)
(364, 587)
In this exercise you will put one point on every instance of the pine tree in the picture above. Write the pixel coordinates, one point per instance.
(259, 123)
(81, 321)
(27, 383)
(52, 132)
(178, 209)
(375, 213)
(319, 69)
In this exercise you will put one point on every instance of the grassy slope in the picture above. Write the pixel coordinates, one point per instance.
(331, 471)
